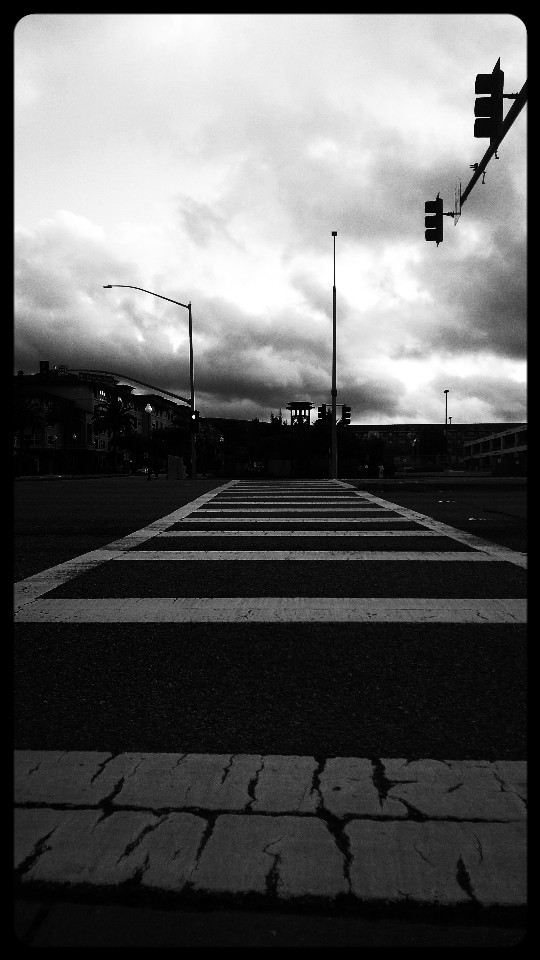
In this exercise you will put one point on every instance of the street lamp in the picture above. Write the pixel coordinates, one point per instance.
(446, 392)
(333, 450)
(187, 306)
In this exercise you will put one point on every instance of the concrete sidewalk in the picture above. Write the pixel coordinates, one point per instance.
(280, 828)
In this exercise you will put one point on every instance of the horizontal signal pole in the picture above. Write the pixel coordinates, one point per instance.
(512, 115)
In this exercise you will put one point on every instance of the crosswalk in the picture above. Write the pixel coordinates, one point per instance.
(283, 827)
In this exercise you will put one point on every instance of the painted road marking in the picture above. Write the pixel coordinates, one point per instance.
(28, 590)
(238, 519)
(269, 532)
(274, 610)
(217, 510)
(307, 555)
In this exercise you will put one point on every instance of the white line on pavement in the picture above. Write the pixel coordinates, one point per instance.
(274, 610)
(304, 555)
(238, 519)
(269, 532)
(217, 510)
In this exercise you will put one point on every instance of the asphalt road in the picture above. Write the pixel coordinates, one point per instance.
(494, 511)
(437, 690)
(55, 520)
(414, 690)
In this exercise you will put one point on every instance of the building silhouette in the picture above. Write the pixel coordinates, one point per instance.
(55, 432)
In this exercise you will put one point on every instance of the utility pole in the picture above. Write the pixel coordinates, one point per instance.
(192, 398)
(333, 451)
(446, 392)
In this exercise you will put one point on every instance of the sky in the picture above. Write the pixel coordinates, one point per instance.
(207, 158)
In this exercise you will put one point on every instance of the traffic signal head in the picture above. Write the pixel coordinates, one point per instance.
(489, 107)
(434, 222)
(194, 421)
(345, 415)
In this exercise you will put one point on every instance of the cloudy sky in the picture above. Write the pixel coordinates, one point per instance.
(209, 157)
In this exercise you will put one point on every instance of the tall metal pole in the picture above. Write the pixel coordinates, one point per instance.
(333, 453)
(192, 397)
(148, 428)
(446, 427)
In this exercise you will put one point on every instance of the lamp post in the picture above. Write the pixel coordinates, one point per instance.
(446, 392)
(147, 429)
(187, 306)
(333, 449)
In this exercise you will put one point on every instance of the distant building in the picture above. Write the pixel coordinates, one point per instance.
(300, 412)
(503, 452)
(415, 446)
(45, 445)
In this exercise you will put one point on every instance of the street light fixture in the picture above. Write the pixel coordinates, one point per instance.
(187, 306)
(333, 449)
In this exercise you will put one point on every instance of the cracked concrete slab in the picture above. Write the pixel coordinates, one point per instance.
(87, 848)
(31, 829)
(285, 785)
(347, 788)
(296, 855)
(46, 776)
(496, 861)
(398, 861)
(441, 863)
(171, 851)
(206, 781)
(513, 775)
(465, 790)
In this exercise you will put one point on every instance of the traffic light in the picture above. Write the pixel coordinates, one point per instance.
(195, 421)
(434, 222)
(345, 415)
(321, 412)
(489, 107)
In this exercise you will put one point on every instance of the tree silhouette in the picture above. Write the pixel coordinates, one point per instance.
(67, 415)
(114, 416)
(28, 417)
